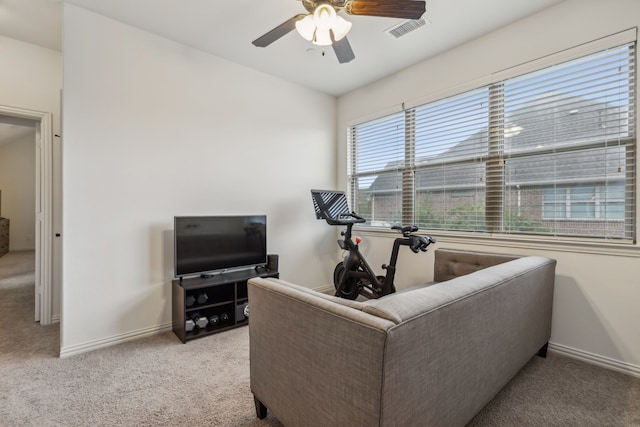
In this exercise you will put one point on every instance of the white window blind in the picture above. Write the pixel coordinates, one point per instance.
(549, 152)
(377, 159)
(570, 136)
(451, 141)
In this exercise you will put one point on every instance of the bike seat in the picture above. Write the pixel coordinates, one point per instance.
(406, 229)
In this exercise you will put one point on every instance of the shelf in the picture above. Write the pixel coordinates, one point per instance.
(206, 306)
(226, 295)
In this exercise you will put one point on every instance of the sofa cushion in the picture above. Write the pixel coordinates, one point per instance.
(452, 263)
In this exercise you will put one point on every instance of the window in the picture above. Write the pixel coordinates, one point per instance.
(549, 152)
(378, 161)
(584, 202)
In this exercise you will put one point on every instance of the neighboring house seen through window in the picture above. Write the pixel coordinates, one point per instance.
(549, 152)
(604, 202)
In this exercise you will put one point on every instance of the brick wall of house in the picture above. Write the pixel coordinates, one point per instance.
(449, 210)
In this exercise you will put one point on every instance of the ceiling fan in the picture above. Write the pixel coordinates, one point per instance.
(323, 26)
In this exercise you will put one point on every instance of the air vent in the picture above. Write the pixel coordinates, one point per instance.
(406, 27)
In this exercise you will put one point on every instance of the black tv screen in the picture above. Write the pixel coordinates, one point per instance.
(209, 244)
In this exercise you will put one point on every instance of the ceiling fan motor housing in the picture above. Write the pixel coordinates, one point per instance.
(311, 5)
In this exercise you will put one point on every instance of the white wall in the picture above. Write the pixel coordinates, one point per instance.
(155, 129)
(18, 185)
(597, 297)
(31, 79)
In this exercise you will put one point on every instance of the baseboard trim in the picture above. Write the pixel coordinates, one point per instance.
(595, 359)
(73, 350)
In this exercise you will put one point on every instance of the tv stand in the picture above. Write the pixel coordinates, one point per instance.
(220, 298)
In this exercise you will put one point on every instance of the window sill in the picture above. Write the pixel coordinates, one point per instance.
(599, 220)
(564, 244)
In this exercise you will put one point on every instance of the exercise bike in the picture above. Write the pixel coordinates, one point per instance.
(353, 276)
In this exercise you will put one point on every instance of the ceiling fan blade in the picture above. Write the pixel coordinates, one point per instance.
(279, 31)
(343, 50)
(405, 9)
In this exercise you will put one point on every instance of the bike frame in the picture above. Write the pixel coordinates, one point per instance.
(354, 274)
(363, 270)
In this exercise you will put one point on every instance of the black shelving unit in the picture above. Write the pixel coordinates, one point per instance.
(221, 297)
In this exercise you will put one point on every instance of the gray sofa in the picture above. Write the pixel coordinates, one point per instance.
(428, 356)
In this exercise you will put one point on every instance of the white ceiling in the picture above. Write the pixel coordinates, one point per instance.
(226, 29)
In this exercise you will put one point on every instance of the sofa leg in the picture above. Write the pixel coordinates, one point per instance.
(261, 410)
(543, 350)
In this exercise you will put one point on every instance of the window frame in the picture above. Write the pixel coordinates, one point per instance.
(495, 205)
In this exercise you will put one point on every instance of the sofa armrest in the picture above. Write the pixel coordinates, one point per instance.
(305, 349)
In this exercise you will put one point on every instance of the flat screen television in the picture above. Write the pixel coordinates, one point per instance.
(212, 244)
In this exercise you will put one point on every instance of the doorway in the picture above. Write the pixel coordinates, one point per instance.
(41, 123)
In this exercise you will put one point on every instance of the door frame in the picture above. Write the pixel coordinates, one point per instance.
(44, 207)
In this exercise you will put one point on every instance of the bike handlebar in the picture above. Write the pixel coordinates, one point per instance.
(420, 243)
(345, 219)
(417, 243)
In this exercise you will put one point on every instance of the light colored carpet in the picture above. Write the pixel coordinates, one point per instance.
(158, 381)
(19, 336)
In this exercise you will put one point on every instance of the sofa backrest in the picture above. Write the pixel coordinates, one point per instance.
(452, 263)
(457, 343)
(406, 306)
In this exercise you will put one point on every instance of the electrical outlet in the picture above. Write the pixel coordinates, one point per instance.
(29, 237)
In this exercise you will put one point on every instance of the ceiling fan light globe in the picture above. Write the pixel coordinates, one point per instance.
(306, 27)
(340, 28)
(322, 37)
